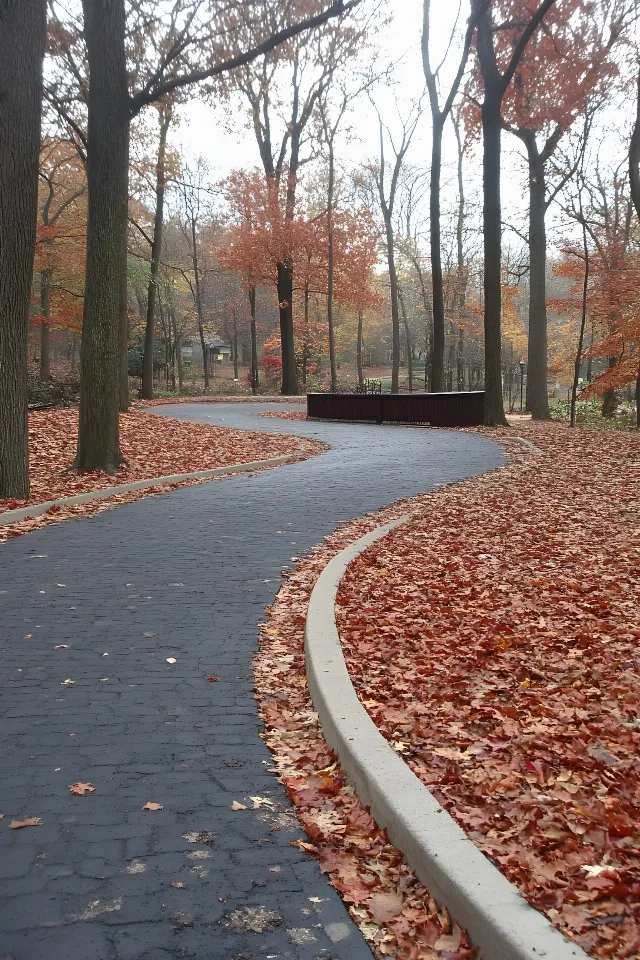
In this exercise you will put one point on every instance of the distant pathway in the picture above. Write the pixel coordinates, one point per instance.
(185, 575)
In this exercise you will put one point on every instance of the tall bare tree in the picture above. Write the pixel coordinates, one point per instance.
(387, 189)
(439, 117)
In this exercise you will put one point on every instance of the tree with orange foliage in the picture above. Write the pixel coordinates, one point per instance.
(564, 66)
(613, 292)
(61, 237)
(261, 234)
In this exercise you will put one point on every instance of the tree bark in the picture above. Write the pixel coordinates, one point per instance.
(638, 398)
(22, 39)
(437, 365)
(331, 269)
(460, 357)
(177, 340)
(634, 155)
(537, 364)
(254, 342)
(359, 353)
(395, 312)
(583, 320)
(492, 231)
(45, 307)
(407, 338)
(198, 299)
(123, 332)
(107, 178)
(288, 350)
(156, 253)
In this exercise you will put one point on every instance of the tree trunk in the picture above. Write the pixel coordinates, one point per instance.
(254, 342)
(460, 357)
(156, 253)
(288, 350)
(45, 307)
(638, 398)
(123, 333)
(634, 155)
(359, 353)
(537, 364)
(494, 406)
(22, 38)
(583, 321)
(235, 350)
(107, 176)
(437, 367)
(395, 313)
(407, 339)
(331, 270)
(177, 340)
(198, 299)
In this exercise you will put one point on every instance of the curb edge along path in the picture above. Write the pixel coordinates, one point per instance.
(498, 919)
(38, 509)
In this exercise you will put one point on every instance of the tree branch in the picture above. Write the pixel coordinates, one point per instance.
(525, 36)
(337, 8)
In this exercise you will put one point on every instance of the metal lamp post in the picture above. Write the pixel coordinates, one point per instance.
(522, 366)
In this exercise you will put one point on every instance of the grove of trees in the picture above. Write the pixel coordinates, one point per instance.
(313, 262)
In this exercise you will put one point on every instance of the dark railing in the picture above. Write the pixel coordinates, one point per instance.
(434, 409)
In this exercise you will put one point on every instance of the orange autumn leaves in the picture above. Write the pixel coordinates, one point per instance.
(497, 649)
(613, 309)
(395, 912)
(261, 234)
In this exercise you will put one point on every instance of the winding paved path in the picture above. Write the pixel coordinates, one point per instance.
(184, 575)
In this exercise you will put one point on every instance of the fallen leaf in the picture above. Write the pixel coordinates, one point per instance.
(153, 806)
(178, 884)
(67, 683)
(212, 679)
(28, 636)
(61, 646)
(237, 806)
(81, 789)
(29, 822)
(261, 802)
(171, 660)
(385, 906)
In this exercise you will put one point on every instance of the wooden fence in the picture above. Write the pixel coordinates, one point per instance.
(434, 409)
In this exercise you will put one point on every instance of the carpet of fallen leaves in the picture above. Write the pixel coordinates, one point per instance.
(286, 414)
(497, 650)
(394, 911)
(153, 447)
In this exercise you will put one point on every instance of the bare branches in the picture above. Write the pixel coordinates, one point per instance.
(161, 89)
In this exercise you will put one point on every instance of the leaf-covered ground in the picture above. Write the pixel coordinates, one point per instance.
(153, 447)
(497, 649)
(394, 911)
(285, 414)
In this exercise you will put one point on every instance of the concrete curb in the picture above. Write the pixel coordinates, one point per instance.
(37, 509)
(499, 921)
(523, 441)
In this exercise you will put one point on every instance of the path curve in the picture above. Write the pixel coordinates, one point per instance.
(187, 576)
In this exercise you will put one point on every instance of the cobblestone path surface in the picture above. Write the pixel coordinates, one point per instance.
(91, 611)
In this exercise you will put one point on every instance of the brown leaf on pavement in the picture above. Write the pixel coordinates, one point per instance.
(81, 789)
(153, 806)
(29, 822)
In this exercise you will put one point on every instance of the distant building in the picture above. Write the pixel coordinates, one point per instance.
(217, 351)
